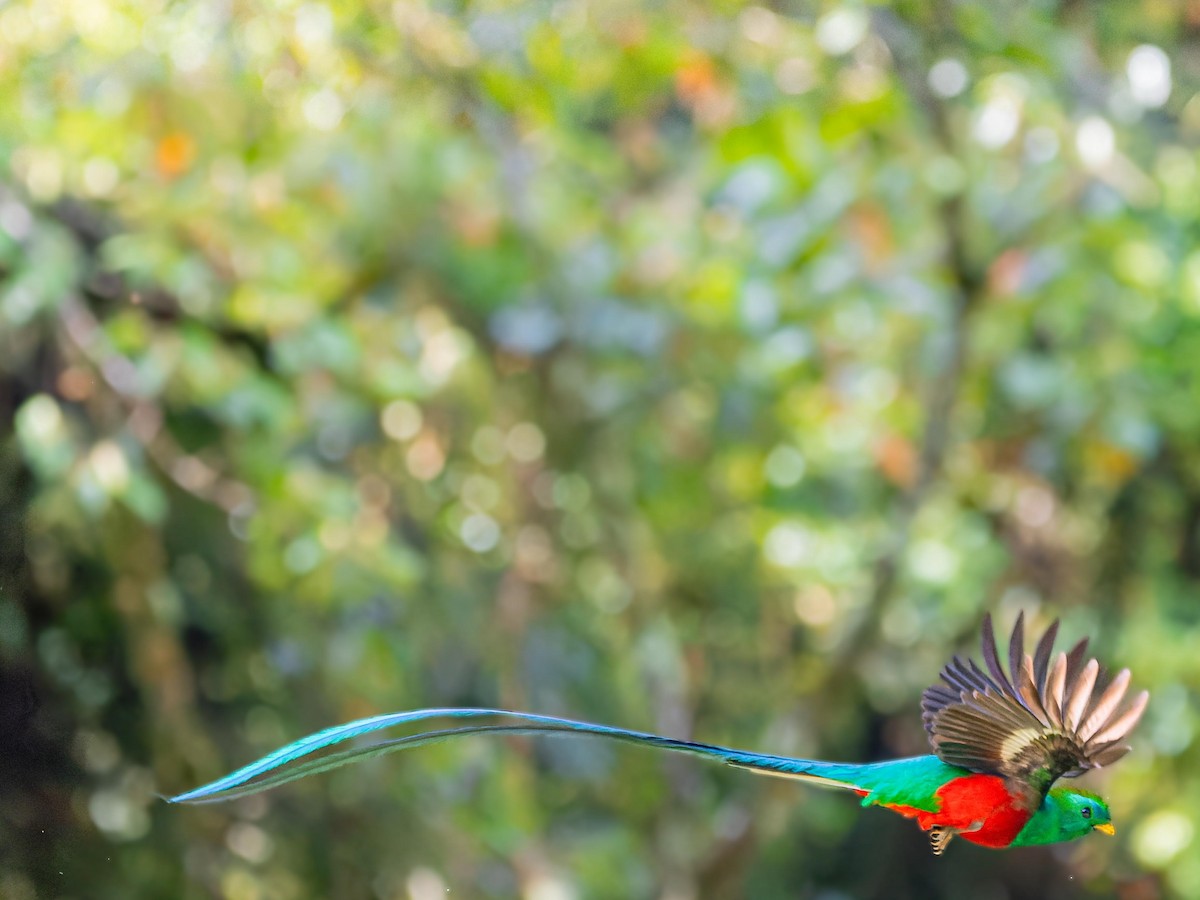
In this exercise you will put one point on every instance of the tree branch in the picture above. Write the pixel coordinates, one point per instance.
(968, 282)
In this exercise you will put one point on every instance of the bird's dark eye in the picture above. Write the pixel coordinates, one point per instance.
(1087, 812)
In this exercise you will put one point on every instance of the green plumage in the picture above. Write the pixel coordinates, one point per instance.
(1060, 818)
(1000, 740)
(905, 782)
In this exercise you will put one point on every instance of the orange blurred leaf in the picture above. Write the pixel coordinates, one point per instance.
(873, 232)
(175, 153)
(695, 79)
(1114, 464)
(897, 459)
(1006, 273)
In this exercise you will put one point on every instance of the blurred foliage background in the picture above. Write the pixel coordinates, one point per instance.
(700, 367)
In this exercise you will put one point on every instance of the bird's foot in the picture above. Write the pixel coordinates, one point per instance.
(940, 837)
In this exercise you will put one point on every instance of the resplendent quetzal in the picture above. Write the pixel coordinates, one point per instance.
(999, 744)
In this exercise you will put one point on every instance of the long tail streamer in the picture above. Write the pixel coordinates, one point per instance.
(304, 757)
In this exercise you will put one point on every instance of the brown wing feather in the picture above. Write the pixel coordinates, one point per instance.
(1045, 718)
(1041, 657)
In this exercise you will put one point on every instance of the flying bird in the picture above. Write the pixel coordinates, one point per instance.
(1000, 741)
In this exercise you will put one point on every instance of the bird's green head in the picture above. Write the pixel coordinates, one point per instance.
(1066, 814)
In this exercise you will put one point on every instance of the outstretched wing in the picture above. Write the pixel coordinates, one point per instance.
(1046, 721)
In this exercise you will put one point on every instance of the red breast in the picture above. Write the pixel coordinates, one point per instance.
(979, 806)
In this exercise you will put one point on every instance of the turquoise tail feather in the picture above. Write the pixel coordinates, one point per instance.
(299, 759)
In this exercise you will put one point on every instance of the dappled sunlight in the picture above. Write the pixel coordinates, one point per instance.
(704, 368)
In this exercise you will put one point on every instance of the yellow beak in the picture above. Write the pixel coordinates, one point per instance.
(1107, 828)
